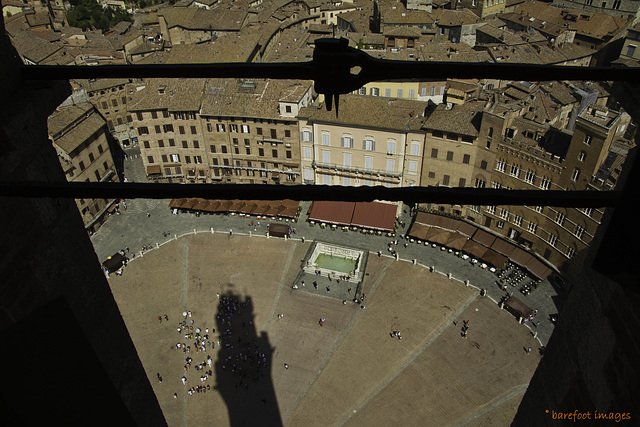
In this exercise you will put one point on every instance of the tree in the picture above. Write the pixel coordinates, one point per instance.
(87, 14)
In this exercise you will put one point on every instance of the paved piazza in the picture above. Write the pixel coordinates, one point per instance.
(349, 371)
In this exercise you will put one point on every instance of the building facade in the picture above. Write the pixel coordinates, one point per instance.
(360, 147)
(231, 131)
(81, 139)
(621, 8)
(504, 144)
(251, 130)
(165, 113)
(109, 96)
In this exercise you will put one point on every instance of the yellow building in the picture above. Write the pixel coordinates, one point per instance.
(361, 147)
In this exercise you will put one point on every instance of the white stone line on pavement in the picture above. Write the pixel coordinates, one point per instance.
(185, 280)
(337, 344)
(281, 285)
(372, 253)
(444, 325)
(499, 400)
(185, 271)
(477, 288)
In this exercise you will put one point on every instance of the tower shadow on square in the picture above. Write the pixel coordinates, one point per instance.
(243, 366)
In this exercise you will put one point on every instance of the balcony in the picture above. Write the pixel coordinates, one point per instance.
(356, 171)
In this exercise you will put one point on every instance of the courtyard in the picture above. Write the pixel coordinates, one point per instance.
(351, 370)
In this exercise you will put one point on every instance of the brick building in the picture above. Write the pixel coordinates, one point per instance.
(166, 115)
(251, 129)
(220, 130)
(80, 137)
(109, 96)
(522, 142)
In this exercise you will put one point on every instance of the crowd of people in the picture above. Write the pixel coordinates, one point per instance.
(240, 359)
(196, 340)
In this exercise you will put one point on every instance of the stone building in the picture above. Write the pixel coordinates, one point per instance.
(482, 8)
(361, 146)
(251, 130)
(192, 25)
(630, 54)
(220, 130)
(109, 96)
(518, 139)
(166, 115)
(80, 137)
(621, 8)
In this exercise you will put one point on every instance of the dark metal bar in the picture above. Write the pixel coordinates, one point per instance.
(454, 196)
(385, 69)
(379, 69)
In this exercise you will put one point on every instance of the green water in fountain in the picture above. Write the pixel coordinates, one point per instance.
(336, 263)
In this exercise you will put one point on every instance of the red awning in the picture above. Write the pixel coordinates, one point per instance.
(456, 241)
(374, 215)
(419, 231)
(332, 212)
(483, 237)
(521, 257)
(505, 248)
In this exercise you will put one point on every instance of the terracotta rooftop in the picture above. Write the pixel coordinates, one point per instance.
(100, 84)
(195, 18)
(250, 98)
(34, 48)
(170, 94)
(460, 119)
(76, 135)
(357, 110)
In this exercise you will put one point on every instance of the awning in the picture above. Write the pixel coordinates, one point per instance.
(201, 205)
(190, 203)
(540, 270)
(494, 258)
(505, 248)
(483, 237)
(456, 241)
(175, 203)
(419, 231)
(332, 212)
(288, 211)
(153, 170)
(438, 235)
(427, 218)
(374, 215)
(212, 206)
(271, 210)
(521, 257)
(236, 205)
(466, 228)
(518, 308)
(279, 230)
(474, 248)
